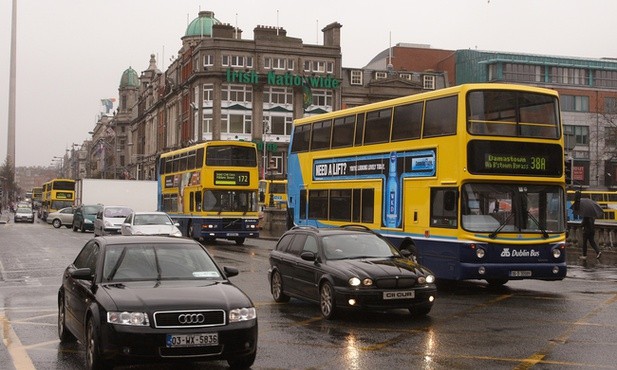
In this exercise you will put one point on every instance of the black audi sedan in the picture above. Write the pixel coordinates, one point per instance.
(154, 298)
(346, 268)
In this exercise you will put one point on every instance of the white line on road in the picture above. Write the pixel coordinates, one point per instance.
(16, 350)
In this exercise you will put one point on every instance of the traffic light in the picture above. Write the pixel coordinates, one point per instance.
(568, 171)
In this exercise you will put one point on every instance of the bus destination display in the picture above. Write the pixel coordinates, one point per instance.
(485, 157)
(237, 178)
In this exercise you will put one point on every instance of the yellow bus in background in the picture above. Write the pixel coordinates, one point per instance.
(57, 194)
(210, 189)
(273, 193)
(469, 178)
(605, 198)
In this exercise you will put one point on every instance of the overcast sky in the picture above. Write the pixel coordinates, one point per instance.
(71, 53)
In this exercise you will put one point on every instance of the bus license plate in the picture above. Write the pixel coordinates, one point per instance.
(233, 234)
(524, 273)
(192, 340)
(399, 295)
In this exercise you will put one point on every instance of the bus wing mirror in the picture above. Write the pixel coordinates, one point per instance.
(449, 201)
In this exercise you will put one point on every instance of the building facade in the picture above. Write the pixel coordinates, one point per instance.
(221, 86)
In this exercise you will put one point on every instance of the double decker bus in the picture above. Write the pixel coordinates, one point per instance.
(470, 178)
(37, 198)
(57, 194)
(210, 189)
(273, 193)
(605, 198)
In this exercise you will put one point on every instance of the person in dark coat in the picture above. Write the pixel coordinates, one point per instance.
(589, 232)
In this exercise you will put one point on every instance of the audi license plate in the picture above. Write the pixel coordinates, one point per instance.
(525, 273)
(405, 294)
(192, 340)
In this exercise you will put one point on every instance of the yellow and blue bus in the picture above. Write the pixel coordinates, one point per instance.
(210, 189)
(57, 194)
(469, 178)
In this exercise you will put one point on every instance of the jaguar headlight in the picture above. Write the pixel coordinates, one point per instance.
(354, 281)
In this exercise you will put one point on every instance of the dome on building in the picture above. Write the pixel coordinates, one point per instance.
(130, 78)
(202, 25)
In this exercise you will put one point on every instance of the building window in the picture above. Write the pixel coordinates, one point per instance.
(322, 98)
(405, 76)
(610, 105)
(518, 72)
(236, 123)
(575, 135)
(279, 124)
(208, 94)
(380, 75)
(610, 133)
(207, 122)
(428, 82)
(568, 76)
(318, 66)
(237, 93)
(208, 60)
(278, 95)
(574, 103)
(356, 77)
(275, 63)
(606, 78)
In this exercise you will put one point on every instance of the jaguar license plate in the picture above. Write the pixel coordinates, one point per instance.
(403, 294)
(525, 273)
(192, 340)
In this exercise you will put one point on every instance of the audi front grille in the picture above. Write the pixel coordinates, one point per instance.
(189, 319)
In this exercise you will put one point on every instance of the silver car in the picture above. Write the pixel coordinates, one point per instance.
(109, 219)
(24, 214)
(62, 217)
(150, 223)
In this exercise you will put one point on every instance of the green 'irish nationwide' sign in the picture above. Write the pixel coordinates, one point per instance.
(287, 79)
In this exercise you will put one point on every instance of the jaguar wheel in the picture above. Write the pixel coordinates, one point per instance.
(276, 288)
(326, 301)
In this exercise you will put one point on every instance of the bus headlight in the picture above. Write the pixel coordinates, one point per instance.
(480, 252)
(556, 253)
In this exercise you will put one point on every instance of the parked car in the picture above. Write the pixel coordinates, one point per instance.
(154, 298)
(23, 214)
(83, 218)
(150, 223)
(346, 268)
(62, 217)
(109, 219)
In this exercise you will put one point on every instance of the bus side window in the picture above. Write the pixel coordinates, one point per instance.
(198, 201)
(443, 207)
(192, 201)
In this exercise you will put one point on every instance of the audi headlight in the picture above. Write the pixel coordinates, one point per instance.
(242, 314)
(128, 318)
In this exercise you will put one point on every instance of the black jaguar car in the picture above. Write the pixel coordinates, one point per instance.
(154, 299)
(348, 267)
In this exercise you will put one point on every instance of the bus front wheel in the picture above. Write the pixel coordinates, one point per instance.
(239, 241)
(496, 282)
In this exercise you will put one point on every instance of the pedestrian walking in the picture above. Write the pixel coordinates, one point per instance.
(589, 233)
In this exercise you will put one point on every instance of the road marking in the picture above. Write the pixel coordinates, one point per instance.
(18, 353)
